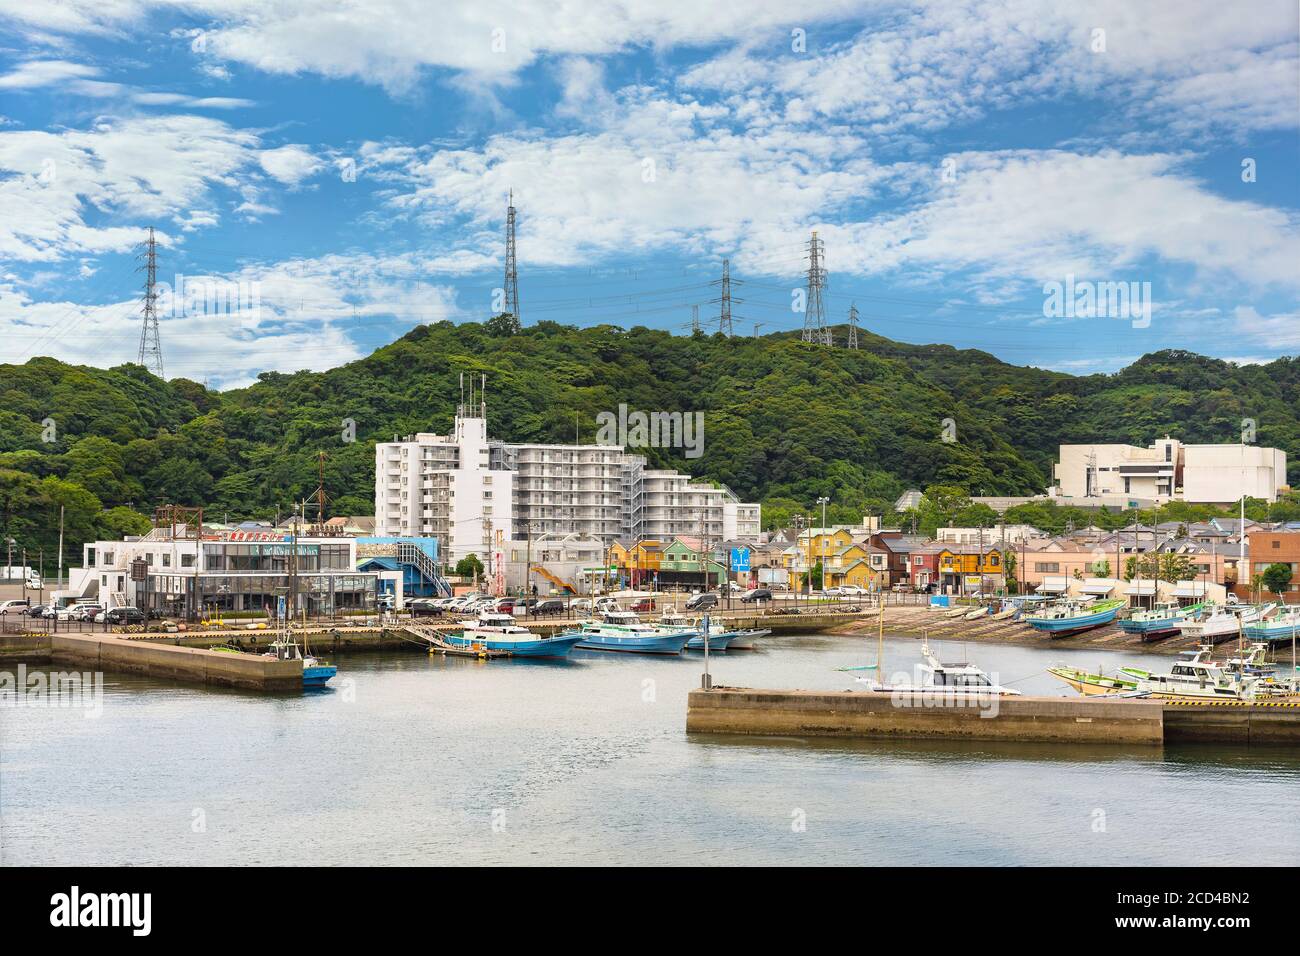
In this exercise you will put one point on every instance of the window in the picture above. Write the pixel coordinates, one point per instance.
(187, 560)
(167, 561)
(1048, 567)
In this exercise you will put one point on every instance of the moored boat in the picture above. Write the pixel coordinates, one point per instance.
(1093, 684)
(1073, 617)
(315, 673)
(956, 680)
(624, 631)
(496, 635)
(747, 639)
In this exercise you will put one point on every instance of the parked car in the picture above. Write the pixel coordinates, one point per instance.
(37, 610)
(833, 592)
(79, 611)
(643, 605)
(852, 590)
(756, 595)
(15, 606)
(548, 607)
(123, 615)
(607, 604)
(506, 605)
(702, 602)
(421, 607)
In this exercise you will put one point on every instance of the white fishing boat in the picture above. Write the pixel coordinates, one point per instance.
(1197, 678)
(1224, 621)
(962, 679)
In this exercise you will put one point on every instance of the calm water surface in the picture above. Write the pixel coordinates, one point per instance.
(418, 760)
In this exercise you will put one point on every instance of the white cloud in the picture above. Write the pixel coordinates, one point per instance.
(1280, 333)
(309, 311)
(290, 164)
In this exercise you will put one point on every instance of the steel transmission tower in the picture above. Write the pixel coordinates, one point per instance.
(150, 355)
(725, 299)
(815, 328)
(695, 319)
(512, 273)
(853, 326)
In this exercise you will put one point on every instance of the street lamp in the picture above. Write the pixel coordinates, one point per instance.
(823, 502)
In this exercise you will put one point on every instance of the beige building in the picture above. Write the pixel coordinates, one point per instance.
(1169, 470)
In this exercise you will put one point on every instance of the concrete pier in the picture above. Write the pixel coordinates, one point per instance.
(191, 664)
(803, 713)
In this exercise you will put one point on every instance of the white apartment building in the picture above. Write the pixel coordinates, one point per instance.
(472, 493)
(1170, 470)
(995, 534)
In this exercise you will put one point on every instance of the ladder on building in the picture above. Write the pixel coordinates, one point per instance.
(416, 557)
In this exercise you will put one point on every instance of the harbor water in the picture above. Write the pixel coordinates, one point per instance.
(412, 759)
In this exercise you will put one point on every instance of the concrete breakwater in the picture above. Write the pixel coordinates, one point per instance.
(1092, 720)
(190, 664)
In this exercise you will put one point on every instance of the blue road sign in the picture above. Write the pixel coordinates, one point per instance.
(740, 559)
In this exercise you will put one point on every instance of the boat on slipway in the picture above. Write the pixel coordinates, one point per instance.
(1163, 620)
(624, 631)
(1220, 622)
(1073, 617)
(1284, 625)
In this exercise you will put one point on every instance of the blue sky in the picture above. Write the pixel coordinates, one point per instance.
(349, 162)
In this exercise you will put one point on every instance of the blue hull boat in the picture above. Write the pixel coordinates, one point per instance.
(558, 646)
(1074, 620)
(633, 643)
(718, 641)
(317, 675)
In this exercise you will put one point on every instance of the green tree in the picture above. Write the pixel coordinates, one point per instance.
(469, 566)
(1277, 578)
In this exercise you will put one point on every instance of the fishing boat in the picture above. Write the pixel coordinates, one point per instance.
(1093, 684)
(978, 613)
(1197, 678)
(1223, 621)
(949, 680)
(314, 672)
(1073, 617)
(1284, 625)
(498, 635)
(624, 631)
(719, 636)
(1005, 614)
(1162, 620)
(747, 638)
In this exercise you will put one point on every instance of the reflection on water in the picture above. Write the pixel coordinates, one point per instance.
(416, 759)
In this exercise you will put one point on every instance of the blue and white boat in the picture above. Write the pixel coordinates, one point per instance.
(1072, 617)
(314, 672)
(623, 631)
(719, 637)
(1163, 619)
(499, 635)
(1281, 626)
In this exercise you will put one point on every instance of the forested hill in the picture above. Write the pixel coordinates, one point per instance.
(784, 422)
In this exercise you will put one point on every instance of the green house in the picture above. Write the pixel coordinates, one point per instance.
(681, 564)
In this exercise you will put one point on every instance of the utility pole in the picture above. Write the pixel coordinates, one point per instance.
(724, 300)
(150, 354)
(528, 567)
(512, 273)
(823, 502)
(815, 329)
(853, 326)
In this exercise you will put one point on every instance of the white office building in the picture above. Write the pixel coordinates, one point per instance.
(474, 494)
(1169, 470)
